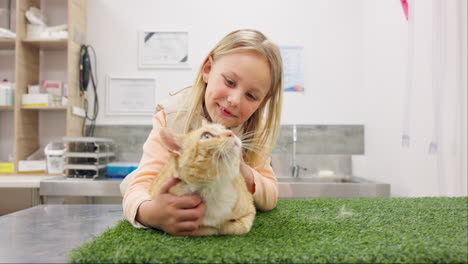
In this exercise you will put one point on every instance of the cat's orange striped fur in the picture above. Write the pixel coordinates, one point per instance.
(207, 161)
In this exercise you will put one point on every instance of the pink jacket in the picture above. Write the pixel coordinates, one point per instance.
(135, 188)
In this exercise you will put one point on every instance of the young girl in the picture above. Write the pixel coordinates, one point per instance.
(239, 85)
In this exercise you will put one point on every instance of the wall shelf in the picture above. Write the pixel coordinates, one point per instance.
(7, 108)
(7, 43)
(53, 108)
(47, 44)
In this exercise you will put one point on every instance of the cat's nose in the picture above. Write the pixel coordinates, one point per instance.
(229, 134)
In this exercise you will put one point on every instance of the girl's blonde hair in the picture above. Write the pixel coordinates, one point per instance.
(264, 124)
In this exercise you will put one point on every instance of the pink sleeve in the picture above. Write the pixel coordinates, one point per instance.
(140, 181)
(266, 187)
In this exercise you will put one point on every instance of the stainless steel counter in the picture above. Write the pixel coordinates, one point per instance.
(351, 187)
(62, 186)
(47, 233)
(288, 188)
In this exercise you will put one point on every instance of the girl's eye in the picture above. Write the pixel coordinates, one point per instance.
(206, 135)
(251, 96)
(229, 82)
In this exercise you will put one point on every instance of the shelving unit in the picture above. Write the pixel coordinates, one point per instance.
(27, 71)
(6, 108)
(44, 108)
(7, 43)
(59, 44)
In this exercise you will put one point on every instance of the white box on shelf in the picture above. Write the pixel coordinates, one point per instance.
(36, 89)
(35, 100)
(3, 95)
(38, 166)
(53, 87)
(7, 93)
(59, 35)
(34, 28)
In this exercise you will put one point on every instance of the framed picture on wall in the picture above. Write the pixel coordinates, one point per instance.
(129, 95)
(163, 49)
(293, 68)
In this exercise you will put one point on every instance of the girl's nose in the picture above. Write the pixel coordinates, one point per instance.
(234, 99)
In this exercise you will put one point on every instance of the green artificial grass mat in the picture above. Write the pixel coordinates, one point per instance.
(379, 230)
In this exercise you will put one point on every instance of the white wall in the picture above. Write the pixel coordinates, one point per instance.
(412, 171)
(330, 31)
(355, 57)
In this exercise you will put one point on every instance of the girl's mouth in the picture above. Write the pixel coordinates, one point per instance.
(225, 112)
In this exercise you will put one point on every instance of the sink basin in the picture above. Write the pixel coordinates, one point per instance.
(315, 187)
(309, 179)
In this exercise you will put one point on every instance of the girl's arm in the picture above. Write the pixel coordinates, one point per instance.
(176, 215)
(137, 187)
(262, 182)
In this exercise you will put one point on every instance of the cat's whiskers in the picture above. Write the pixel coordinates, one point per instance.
(221, 153)
(249, 142)
(253, 148)
(250, 134)
(250, 139)
(252, 144)
(217, 159)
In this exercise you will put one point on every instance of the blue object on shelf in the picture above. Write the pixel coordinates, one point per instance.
(118, 170)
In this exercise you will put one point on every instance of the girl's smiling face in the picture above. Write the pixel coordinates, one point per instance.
(237, 85)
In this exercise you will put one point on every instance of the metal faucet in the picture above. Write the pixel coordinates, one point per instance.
(296, 168)
(295, 171)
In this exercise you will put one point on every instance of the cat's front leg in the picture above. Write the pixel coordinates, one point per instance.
(207, 231)
(237, 226)
(180, 189)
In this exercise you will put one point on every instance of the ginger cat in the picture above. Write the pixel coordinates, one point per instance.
(207, 161)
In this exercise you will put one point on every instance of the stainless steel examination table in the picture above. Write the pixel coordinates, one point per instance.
(47, 233)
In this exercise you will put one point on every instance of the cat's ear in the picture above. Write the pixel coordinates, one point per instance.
(205, 122)
(171, 140)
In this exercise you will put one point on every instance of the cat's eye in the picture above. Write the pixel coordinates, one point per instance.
(206, 135)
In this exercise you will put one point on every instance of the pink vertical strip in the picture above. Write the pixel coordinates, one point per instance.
(404, 4)
(405, 139)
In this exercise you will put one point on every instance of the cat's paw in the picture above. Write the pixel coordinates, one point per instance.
(236, 227)
(207, 231)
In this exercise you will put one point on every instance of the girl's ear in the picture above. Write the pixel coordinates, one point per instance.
(171, 141)
(207, 69)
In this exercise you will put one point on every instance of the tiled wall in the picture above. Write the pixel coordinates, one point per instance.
(322, 139)
(318, 147)
(128, 139)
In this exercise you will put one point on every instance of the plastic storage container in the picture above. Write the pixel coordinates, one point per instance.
(54, 152)
(86, 157)
(118, 170)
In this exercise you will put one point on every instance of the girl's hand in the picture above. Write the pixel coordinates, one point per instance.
(248, 176)
(176, 215)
